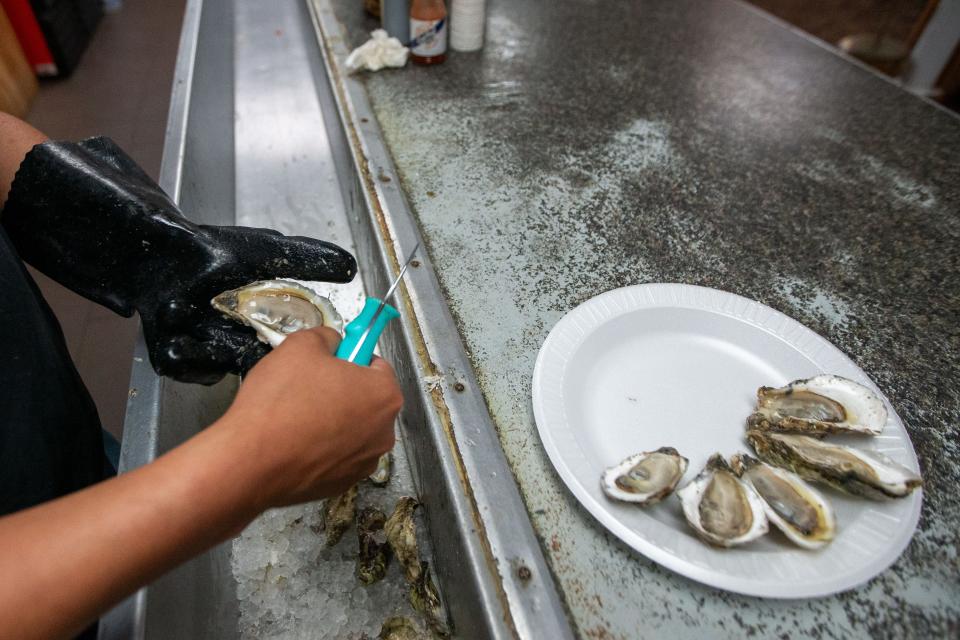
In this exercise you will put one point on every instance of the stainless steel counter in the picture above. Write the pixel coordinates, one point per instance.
(596, 145)
(263, 133)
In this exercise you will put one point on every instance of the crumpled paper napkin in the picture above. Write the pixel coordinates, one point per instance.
(378, 52)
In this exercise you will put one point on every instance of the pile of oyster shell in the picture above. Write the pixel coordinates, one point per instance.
(732, 502)
(380, 538)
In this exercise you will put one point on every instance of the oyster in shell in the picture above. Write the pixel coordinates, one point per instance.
(793, 506)
(373, 558)
(339, 513)
(819, 405)
(722, 509)
(855, 471)
(645, 478)
(277, 308)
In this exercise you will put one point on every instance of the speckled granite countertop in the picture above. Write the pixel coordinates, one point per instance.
(595, 145)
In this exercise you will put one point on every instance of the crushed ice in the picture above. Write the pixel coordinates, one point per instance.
(291, 587)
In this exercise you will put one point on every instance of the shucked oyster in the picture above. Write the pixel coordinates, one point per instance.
(276, 308)
(818, 406)
(791, 504)
(855, 471)
(722, 510)
(645, 478)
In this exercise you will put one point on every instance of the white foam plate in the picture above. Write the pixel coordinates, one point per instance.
(655, 365)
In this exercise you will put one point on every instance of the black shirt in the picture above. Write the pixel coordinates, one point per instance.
(50, 440)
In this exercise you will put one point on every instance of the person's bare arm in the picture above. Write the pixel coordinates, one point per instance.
(304, 425)
(16, 139)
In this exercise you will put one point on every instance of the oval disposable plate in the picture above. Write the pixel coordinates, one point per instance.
(655, 365)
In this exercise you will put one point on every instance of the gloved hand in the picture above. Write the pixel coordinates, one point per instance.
(87, 216)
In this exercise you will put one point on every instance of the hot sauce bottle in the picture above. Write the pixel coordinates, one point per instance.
(428, 31)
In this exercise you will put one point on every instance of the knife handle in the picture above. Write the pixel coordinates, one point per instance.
(354, 332)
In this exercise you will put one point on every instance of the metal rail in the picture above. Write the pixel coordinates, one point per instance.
(507, 589)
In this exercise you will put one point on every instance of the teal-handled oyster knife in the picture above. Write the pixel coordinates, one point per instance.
(361, 335)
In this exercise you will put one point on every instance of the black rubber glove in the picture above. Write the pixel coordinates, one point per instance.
(87, 216)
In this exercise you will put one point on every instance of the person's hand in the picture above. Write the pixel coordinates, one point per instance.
(304, 425)
(87, 216)
(191, 341)
(311, 425)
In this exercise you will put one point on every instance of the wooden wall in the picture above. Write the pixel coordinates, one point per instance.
(18, 84)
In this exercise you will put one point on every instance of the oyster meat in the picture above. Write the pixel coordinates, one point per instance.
(645, 478)
(373, 558)
(819, 405)
(793, 506)
(855, 471)
(277, 308)
(401, 533)
(722, 509)
(339, 513)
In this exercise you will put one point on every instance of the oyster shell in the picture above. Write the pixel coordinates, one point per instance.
(793, 506)
(855, 471)
(373, 558)
(645, 478)
(819, 405)
(277, 308)
(722, 510)
(339, 513)
(401, 533)
(381, 475)
(399, 628)
(425, 599)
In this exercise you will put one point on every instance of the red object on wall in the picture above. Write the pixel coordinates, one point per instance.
(31, 38)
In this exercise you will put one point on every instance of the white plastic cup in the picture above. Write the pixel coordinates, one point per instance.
(467, 22)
